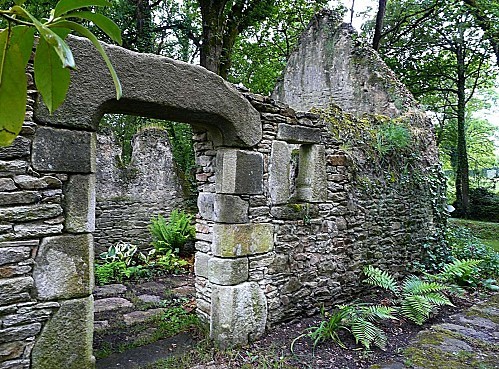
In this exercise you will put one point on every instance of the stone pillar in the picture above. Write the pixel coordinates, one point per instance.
(238, 312)
(63, 269)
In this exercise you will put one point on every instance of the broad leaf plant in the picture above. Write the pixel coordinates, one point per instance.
(53, 58)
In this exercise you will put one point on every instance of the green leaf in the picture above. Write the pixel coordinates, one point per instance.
(65, 6)
(19, 2)
(60, 47)
(52, 80)
(104, 23)
(85, 32)
(13, 85)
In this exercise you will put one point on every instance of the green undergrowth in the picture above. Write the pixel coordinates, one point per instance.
(205, 353)
(488, 232)
(167, 324)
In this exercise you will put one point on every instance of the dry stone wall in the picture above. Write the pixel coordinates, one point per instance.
(46, 249)
(128, 195)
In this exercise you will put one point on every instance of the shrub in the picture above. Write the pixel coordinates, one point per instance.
(484, 205)
(464, 245)
(174, 234)
(392, 137)
(122, 251)
(113, 271)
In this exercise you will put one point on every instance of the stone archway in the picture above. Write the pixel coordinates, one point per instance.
(65, 142)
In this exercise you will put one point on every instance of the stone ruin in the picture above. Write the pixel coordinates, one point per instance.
(288, 212)
(129, 194)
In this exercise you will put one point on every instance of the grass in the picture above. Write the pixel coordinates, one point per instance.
(173, 321)
(488, 232)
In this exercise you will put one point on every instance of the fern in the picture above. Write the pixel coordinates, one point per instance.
(458, 271)
(380, 278)
(415, 286)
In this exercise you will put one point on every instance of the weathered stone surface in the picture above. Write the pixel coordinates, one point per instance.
(149, 299)
(10, 255)
(328, 66)
(35, 229)
(279, 185)
(233, 240)
(15, 364)
(18, 149)
(200, 97)
(238, 313)
(66, 339)
(110, 304)
(206, 203)
(7, 184)
(201, 264)
(295, 211)
(109, 290)
(14, 270)
(230, 209)
(27, 182)
(311, 183)
(17, 198)
(228, 272)
(239, 172)
(298, 134)
(11, 350)
(62, 150)
(30, 212)
(19, 333)
(136, 317)
(79, 204)
(64, 267)
(13, 166)
(15, 290)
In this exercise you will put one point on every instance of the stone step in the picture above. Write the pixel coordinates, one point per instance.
(109, 290)
(111, 304)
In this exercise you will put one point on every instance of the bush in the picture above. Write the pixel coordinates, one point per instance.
(174, 234)
(484, 205)
(464, 245)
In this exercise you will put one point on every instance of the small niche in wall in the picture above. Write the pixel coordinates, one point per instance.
(297, 173)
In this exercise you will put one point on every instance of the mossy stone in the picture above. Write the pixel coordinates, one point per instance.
(66, 340)
(233, 240)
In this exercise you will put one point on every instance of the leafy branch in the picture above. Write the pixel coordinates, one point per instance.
(53, 57)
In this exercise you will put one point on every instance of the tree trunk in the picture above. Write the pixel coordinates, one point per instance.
(144, 26)
(380, 16)
(213, 28)
(462, 171)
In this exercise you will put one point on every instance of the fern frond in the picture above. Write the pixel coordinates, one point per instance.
(380, 278)
(438, 299)
(416, 308)
(375, 312)
(416, 286)
(367, 333)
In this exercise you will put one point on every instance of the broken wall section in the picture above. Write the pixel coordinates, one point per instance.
(129, 194)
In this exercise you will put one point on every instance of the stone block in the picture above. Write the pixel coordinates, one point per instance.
(62, 150)
(19, 197)
(7, 184)
(27, 182)
(15, 290)
(311, 183)
(66, 339)
(228, 272)
(239, 172)
(201, 264)
(79, 204)
(9, 255)
(298, 134)
(13, 166)
(11, 350)
(238, 314)
(35, 229)
(279, 185)
(295, 211)
(64, 267)
(18, 149)
(30, 212)
(234, 240)
(19, 333)
(230, 209)
(206, 204)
